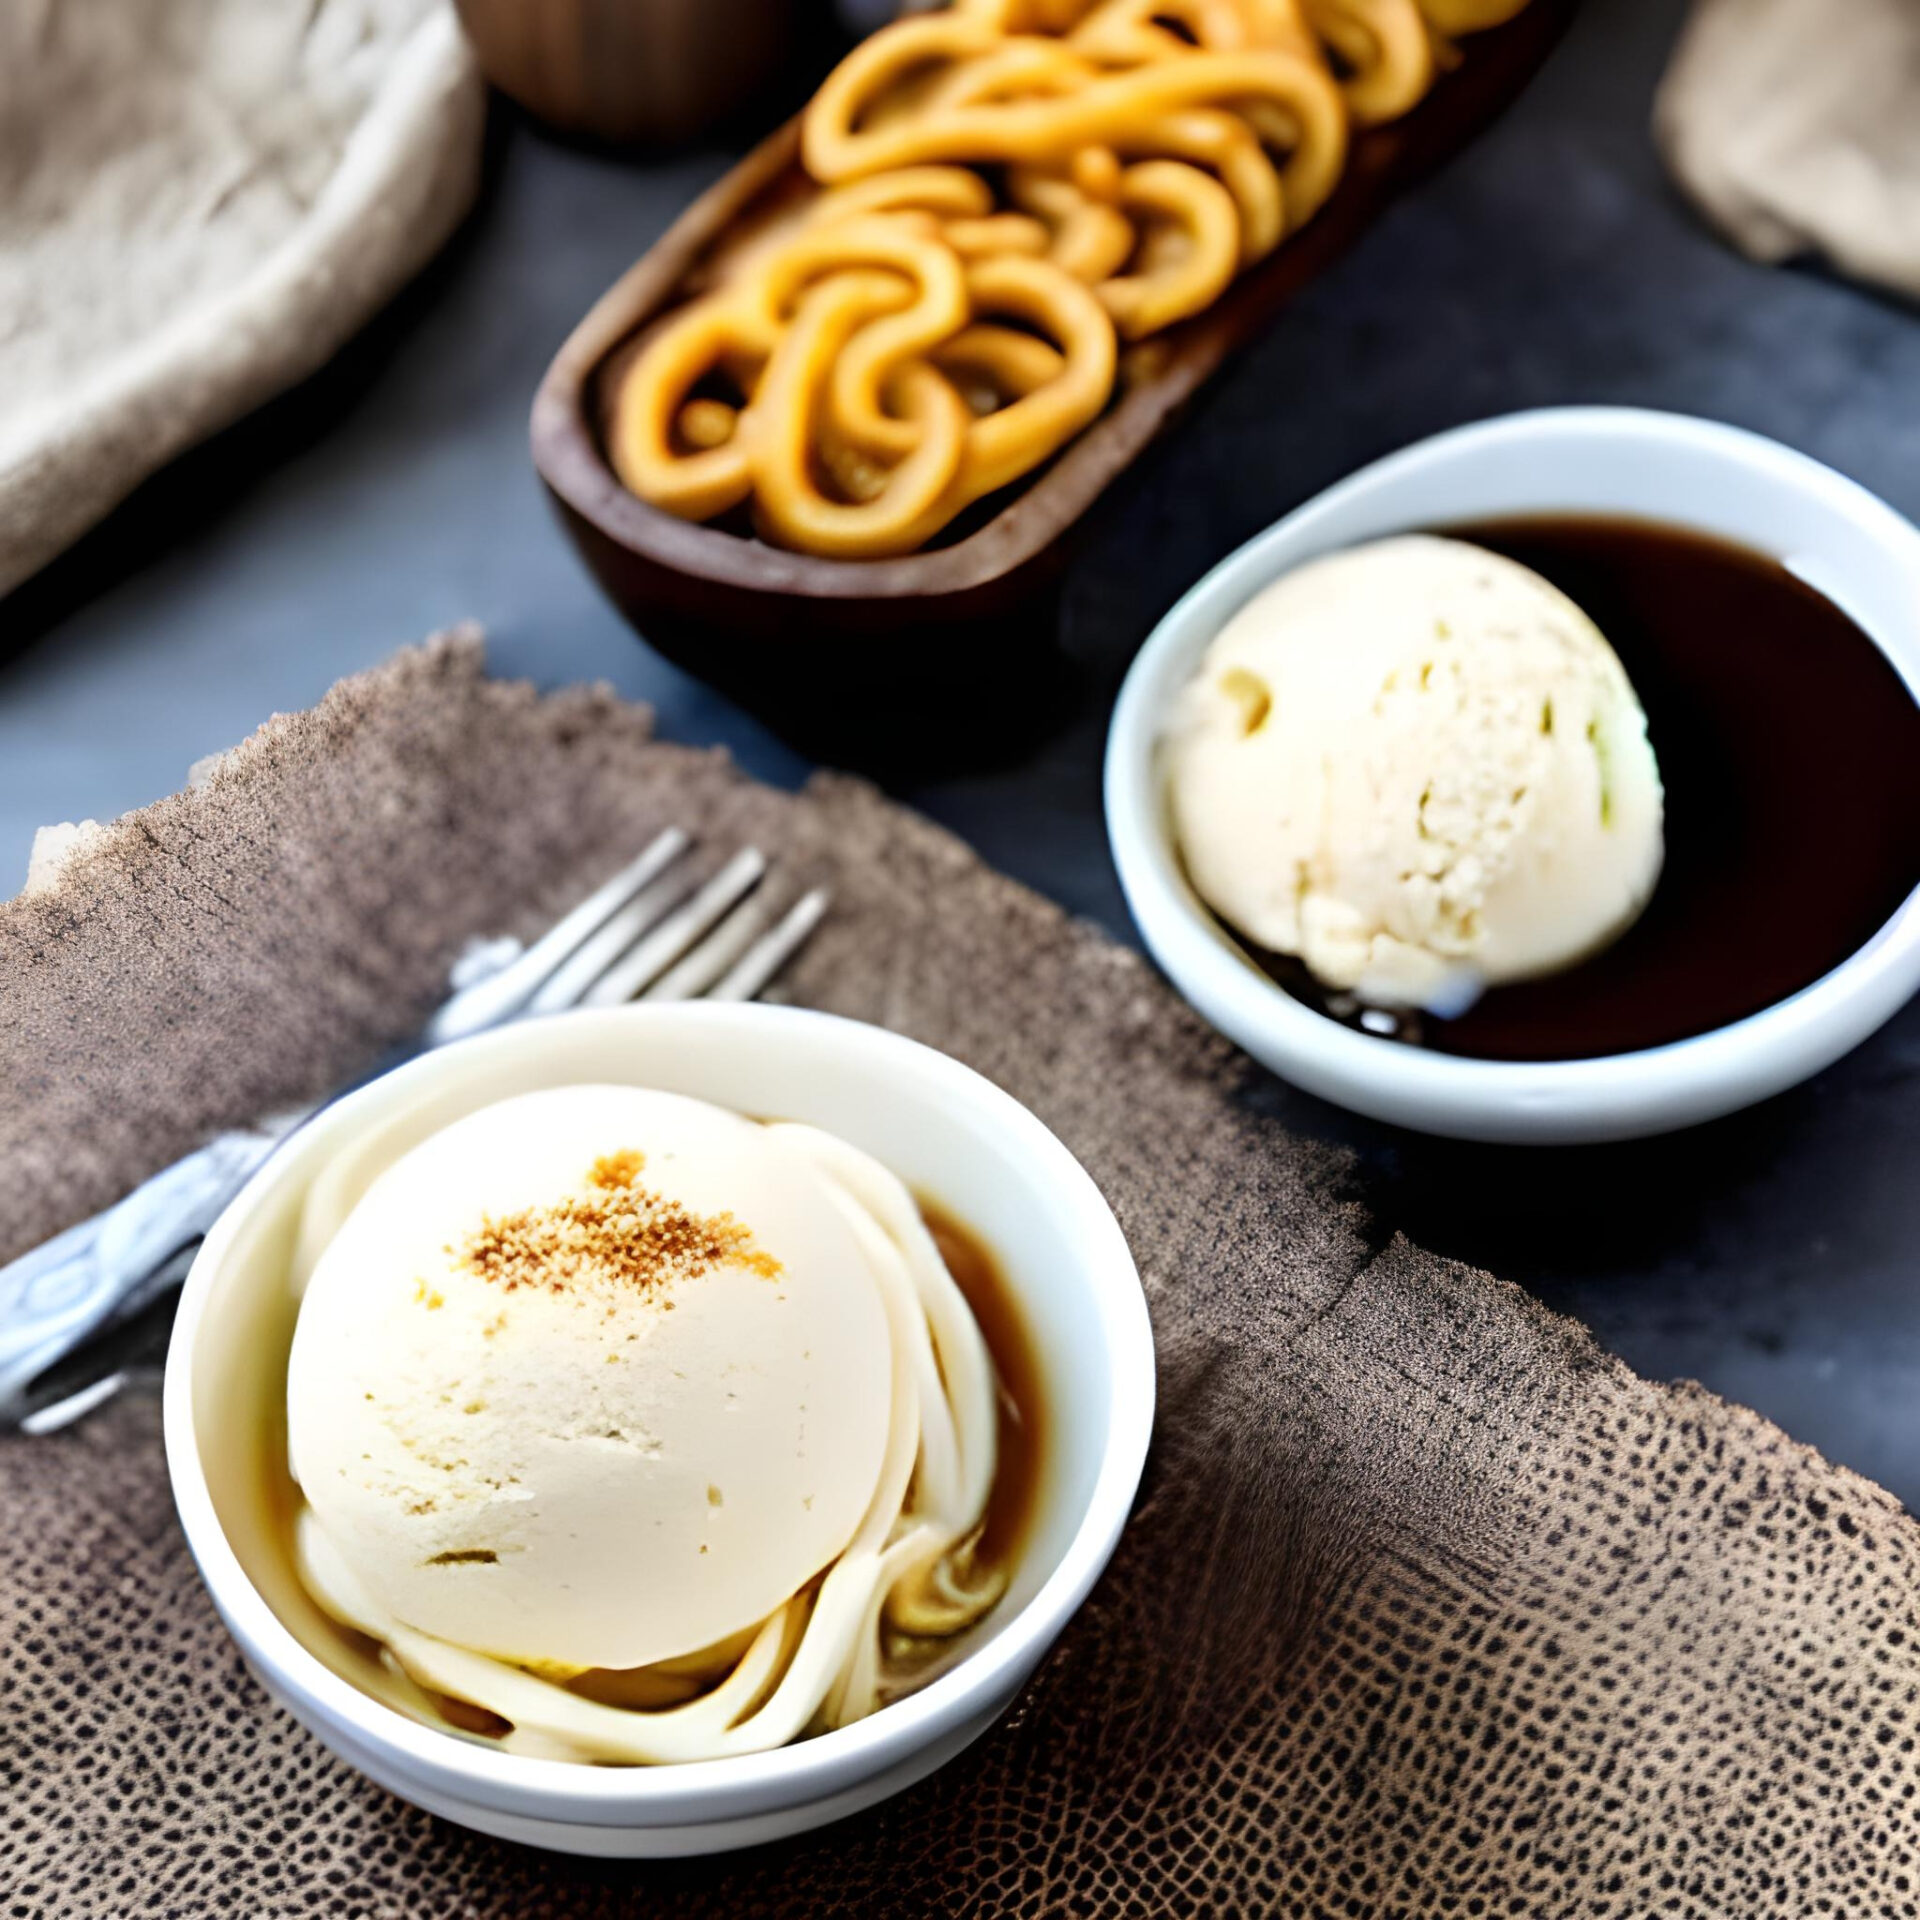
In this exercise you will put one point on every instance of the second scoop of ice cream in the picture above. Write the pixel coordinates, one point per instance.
(1420, 768)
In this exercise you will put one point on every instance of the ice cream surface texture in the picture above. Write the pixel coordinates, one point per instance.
(1420, 768)
(609, 1382)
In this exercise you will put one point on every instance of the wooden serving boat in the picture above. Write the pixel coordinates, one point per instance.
(838, 654)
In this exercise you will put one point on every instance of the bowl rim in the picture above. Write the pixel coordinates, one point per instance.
(709, 1791)
(1618, 1096)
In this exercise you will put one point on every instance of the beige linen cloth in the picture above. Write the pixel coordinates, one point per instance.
(1794, 125)
(1428, 1606)
(200, 200)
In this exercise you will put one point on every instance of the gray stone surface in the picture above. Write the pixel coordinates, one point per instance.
(1772, 1256)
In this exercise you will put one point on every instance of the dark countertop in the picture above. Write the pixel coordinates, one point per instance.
(1772, 1256)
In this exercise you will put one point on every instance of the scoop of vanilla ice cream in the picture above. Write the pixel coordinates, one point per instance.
(1420, 768)
(595, 1376)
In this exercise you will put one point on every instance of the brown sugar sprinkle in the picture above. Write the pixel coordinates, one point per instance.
(619, 1231)
(620, 1169)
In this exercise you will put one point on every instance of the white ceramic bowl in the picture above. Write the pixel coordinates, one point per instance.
(951, 1135)
(1605, 460)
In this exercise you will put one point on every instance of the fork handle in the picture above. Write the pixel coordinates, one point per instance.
(57, 1297)
(66, 1289)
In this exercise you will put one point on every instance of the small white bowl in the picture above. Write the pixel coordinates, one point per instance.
(952, 1136)
(1663, 467)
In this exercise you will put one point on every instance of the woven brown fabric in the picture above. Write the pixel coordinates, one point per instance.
(1428, 1606)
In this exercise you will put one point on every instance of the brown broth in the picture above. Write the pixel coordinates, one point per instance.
(1790, 751)
(1022, 1402)
(1021, 1435)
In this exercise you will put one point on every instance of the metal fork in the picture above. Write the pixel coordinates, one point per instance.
(654, 931)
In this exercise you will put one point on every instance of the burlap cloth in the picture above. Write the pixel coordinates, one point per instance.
(1794, 125)
(199, 201)
(1428, 1606)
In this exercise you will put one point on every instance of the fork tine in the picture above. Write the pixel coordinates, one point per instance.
(658, 950)
(691, 975)
(751, 972)
(74, 1406)
(575, 975)
(507, 992)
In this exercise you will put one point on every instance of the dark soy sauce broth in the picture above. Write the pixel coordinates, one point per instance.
(1790, 752)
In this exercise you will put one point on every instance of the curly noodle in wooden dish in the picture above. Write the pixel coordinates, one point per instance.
(1007, 191)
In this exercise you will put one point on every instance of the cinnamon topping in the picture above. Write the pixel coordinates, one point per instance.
(619, 1231)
